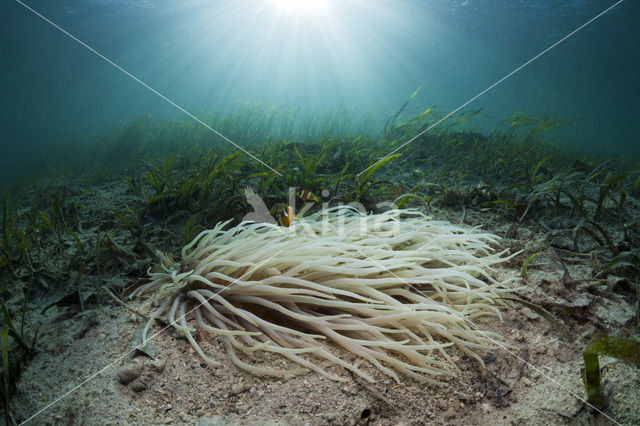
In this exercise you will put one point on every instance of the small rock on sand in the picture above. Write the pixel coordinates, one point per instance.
(129, 372)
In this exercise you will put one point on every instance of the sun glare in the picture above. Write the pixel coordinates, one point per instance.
(303, 7)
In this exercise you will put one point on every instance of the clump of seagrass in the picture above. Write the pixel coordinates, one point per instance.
(396, 289)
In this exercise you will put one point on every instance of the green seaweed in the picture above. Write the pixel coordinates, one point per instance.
(13, 357)
(361, 182)
(533, 177)
(159, 177)
(6, 380)
(191, 230)
(609, 186)
(390, 124)
(134, 185)
(79, 248)
(523, 271)
(607, 345)
(625, 259)
(131, 218)
(8, 255)
(590, 227)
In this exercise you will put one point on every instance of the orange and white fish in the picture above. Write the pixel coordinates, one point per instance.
(286, 217)
(306, 195)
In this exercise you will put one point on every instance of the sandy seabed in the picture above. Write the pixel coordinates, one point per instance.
(84, 360)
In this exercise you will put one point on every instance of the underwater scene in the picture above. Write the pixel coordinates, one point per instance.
(320, 212)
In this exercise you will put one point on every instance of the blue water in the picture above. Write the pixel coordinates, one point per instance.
(365, 56)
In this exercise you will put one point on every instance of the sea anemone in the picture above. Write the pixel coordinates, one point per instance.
(396, 289)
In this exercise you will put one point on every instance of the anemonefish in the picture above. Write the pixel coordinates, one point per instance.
(306, 195)
(286, 217)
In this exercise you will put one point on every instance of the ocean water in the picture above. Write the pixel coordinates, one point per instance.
(130, 127)
(354, 58)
